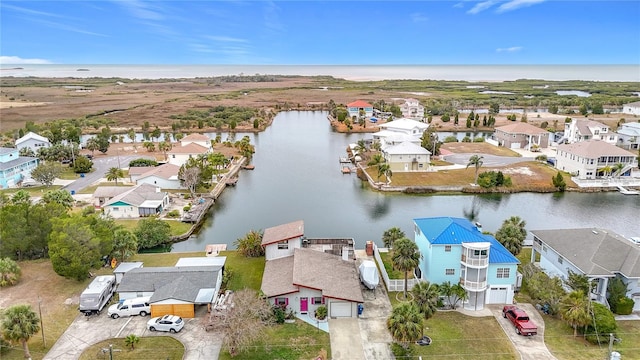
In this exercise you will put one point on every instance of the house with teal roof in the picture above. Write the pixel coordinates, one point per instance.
(455, 250)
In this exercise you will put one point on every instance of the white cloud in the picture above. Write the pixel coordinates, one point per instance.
(419, 17)
(481, 6)
(222, 38)
(458, 5)
(141, 10)
(509, 49)
(19, 60)
(29, 11)
(517, 4)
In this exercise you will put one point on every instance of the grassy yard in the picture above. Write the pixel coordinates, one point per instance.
(35, 191)
(91, 189)
(479, 148)
(177, 227)
(286, 342)
(147, 348)
(463, 337)
(388, 265)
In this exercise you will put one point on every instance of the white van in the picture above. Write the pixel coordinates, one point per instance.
(136, 306)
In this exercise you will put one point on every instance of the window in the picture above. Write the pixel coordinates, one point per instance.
(480, 252)
(559, 259)
(283, 245)
(450, 271)
(317, 300)
(282, 301)
(116, 209)
(447, 248)
(502, 273)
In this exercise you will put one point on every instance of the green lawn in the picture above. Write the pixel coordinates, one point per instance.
(388, 265)
(286, 342)
(35, 191)
(177, 227)
(168, 347)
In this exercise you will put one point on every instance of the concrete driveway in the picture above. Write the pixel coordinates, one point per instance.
(487, 161)
(88, 330)
(529, 347)
(376, 339)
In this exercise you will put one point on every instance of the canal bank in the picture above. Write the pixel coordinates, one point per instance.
(297, 178)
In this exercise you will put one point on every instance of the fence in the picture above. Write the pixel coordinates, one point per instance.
(392, 284)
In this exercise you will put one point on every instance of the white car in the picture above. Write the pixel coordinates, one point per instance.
(169, 323)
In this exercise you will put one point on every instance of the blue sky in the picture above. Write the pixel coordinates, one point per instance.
(320, 32)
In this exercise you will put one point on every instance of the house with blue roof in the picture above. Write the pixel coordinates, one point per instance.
(455, 250)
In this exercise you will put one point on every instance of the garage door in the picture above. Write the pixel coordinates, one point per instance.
(340, 309)
(498, 296)
(182, 310)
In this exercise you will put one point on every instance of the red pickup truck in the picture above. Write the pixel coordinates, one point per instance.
(520, 319)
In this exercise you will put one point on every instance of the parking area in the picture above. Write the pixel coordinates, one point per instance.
(88, 330)
(529, 347)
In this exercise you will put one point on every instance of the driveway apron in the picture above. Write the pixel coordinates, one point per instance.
(529, 347)
(346, 342)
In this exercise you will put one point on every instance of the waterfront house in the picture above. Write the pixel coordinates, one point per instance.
(520, 135)
(279, 241)
(32, 141)
(137, 201)
(173, 290)
(629, 136)
(179, 155)
(406, 157)
(308, 279)
(14, 168)
(398, 131)
(631, 108)
(136, 171)
(165, 176)
(599, 254)
(591, 159)
(360, 108)
(582, 130)
(411, 109)
(198, 139)
(455, 250)
(102, 194)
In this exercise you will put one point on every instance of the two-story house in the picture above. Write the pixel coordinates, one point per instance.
(412, 109)
(406, 157)
(360, 108)
(599, 254)
(400, 130)
(191, 146)
(520, 135)
(631, 108)
(301, 279)
(32, 141)
(455, 250)
(14, 168)
(591, 159)
(582, 130)
(629, 136)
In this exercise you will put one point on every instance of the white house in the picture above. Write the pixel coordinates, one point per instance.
(400, 130)
(360, 107)
(455, 250)
(14, 168)
(199, 139)
(32, 141)
(138, 201)
(279, 241)
(629, 136)
(406, 157)
(599, 254)
(165, 176)
(179, 155)
(412, 109)
(590, 159)
(581, 130)
(631, 108)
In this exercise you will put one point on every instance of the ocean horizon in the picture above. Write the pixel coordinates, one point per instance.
(470, 73)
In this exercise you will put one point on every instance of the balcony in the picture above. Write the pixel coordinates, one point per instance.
(478, 262)
(473, 285)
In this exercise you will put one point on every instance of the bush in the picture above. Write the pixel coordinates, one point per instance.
(624, 306)
(10, 272)
(142, 163)
(478, 139)
(173, 214)
(450, 139)
(400, 350)
(605, 324)
(321, 312)
(279, 314)
(489, 179)
(186, 208)
(466, 139)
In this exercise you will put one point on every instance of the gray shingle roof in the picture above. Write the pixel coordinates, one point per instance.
(594, 251)
(137, 195)
(593, 149)
(283, 232)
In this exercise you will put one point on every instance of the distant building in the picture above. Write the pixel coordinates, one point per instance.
(631, 108)
(165, 176)
(32, 141)
(358, 106)
(14, 168)
(629, 136)
(520, 135)
(581, 130)
(412, 109)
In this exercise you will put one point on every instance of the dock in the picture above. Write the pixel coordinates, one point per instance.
(346, 170)
(626, 191)
(232, 181)
(249, 167)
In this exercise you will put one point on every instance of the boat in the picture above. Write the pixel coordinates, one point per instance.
(82, 70)
(346, 170)
(249, 167)
(626, 191)
(369, 274)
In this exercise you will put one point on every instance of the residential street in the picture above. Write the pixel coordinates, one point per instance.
(100, 166)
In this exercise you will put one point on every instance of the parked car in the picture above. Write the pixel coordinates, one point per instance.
(170, 323)
(520, 319)
(136, 306)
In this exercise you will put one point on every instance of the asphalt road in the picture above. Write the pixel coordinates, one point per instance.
(100, 168)
(487, 160)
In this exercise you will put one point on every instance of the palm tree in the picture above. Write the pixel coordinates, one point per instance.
(9, 272)
(476, 161)
(165, 146)
(574, 309)
(405, 323)
(426, 296)
(617, 168)
(361, 148)
(512, 234)
(391, 235)
(20, 323)
(405, 258)
(382, 169)
(114, 173)
(125, 243)
(606, 170)
(376, 159)
(131, 340)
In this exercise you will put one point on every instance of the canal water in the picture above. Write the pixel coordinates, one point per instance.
(298, 177)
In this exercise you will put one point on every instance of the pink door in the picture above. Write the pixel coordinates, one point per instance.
(304, 305)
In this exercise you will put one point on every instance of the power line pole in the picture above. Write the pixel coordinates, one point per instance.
(44, 342)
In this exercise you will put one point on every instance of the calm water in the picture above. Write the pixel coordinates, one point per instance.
(298, 177)
(624, 72)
